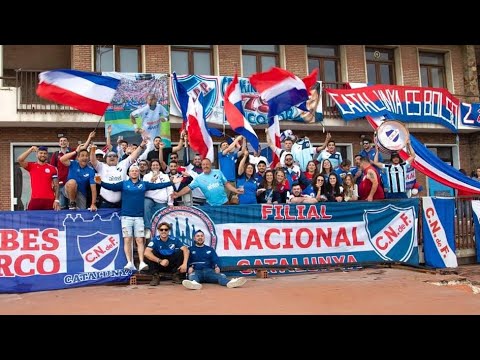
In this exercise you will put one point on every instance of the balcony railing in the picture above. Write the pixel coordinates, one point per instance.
(26, 83)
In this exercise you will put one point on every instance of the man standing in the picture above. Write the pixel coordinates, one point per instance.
(212, 183)
(369, 188)
(43, 180)
(132, 212)
(396, 173)
(166, 254)
(203, 266)
(151, 114)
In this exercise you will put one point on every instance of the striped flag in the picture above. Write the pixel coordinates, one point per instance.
(84, 91)
(236, 116)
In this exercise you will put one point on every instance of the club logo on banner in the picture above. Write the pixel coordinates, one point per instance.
(98, 250)
(184, 222)
(394, 240)
(207, 85)
(438, 232)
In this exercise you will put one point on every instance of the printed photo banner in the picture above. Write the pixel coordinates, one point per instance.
(131, 94)
(439, 232)
(256, 110)
(329, 233)
(405, 103)
(49, 250)
(476, 221)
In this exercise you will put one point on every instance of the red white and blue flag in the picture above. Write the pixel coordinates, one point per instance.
(282, 89)
(235, 114)
(198, 134)
(84, 91)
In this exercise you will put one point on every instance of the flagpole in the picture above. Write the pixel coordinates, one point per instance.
(98, 123)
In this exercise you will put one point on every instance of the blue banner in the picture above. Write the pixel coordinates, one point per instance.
(439, 232)
(49, 250)
(284, 234)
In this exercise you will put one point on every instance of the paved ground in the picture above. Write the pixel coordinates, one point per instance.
(366, 291)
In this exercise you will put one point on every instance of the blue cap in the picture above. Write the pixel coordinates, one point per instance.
(198, 231)
(43, 148)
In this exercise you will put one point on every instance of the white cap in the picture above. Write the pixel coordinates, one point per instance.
(99, 152)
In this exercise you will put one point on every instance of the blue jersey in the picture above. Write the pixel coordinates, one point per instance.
(227, 165)
(202, 257)
(133, 194)
(83, 176)
(212, 186)
(165, 248)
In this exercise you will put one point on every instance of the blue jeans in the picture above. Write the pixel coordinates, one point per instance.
(150, 207)
(208, 276)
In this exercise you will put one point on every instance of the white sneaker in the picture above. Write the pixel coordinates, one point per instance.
(143, 266)
(191, 284)
(148, 234)
(236, 282)
(130, 266)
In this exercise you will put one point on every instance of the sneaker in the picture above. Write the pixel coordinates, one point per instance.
(130, 266)
(236, 282)
(148, 234)
(191, 284)
(155, 280)
(143, 266)
(72, 205)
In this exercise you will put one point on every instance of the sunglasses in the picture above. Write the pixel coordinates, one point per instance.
(164, 229)
(366, 143)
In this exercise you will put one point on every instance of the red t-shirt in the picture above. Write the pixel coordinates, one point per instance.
(366, 185)
(62, 169)
(41, 177)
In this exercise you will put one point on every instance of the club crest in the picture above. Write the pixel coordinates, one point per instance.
(98, 250)
(391, 231)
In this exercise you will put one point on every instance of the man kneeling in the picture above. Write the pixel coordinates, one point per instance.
(203, 266)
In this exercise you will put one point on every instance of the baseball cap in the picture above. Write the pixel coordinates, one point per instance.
(99, 152)
(43, 148)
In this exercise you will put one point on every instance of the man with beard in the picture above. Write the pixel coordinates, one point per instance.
(203, 266)
(42, 177)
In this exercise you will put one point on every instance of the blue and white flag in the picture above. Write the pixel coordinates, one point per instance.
(439, 232)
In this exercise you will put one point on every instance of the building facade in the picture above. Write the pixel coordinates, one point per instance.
(27, 120)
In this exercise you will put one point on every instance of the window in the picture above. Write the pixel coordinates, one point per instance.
(432, 69)
(258, 58)
(327, 59)
(120, 58)
(192, 59)
(380, 66)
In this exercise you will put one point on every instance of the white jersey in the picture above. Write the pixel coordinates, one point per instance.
(161, 196)
(303, 152)
(151, 119)
(111, 175)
